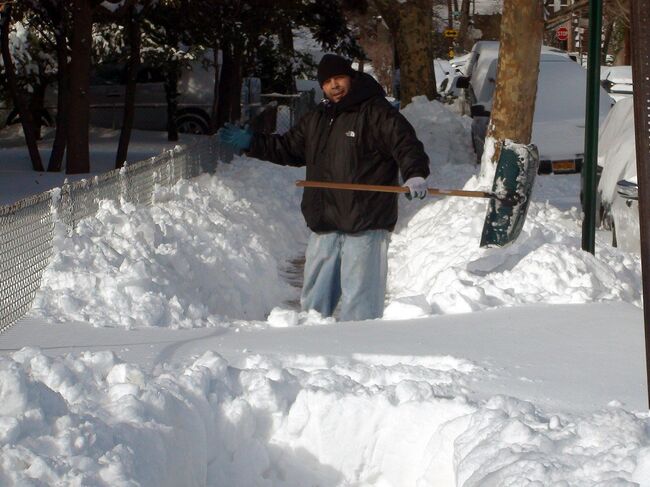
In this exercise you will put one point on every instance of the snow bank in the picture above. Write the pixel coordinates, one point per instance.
(90, 419)
(213, 249)
(435, 261)
(445, 135)
(208, 250)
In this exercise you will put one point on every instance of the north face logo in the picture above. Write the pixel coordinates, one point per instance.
(350, 133)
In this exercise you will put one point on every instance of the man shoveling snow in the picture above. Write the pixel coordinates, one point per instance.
(353, 136)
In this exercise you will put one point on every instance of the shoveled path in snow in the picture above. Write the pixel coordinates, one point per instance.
(544, 354)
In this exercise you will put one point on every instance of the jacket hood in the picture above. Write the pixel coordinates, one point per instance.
(362, 88)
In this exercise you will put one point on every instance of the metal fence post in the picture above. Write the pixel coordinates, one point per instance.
(591, 128)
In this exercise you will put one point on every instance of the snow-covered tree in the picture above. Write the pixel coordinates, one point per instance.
(22, 73)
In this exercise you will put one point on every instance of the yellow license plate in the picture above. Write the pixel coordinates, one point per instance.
(564, 166)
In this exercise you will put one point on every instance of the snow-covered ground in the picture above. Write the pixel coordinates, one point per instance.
(18, 181)
(164, 347)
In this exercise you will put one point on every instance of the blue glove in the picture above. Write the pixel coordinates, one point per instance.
(417, 188)
(239, 139)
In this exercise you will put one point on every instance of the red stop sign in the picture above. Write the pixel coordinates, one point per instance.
(562, 33)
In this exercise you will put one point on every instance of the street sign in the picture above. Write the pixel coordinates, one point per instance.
(562, 33)
(453, 33)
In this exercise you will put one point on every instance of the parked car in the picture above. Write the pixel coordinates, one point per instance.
(460, 62)
(447, 77)
(107, 89)
(618, 187)
(559, 119)
(617, 81)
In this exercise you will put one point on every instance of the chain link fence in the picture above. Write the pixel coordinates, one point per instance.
(27, 227)
(281, 112)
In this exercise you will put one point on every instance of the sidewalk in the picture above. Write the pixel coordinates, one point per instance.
(576, 356)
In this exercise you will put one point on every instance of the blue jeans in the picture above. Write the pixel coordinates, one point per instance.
(347, 267)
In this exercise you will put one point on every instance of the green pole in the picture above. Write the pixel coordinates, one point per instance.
(591, 128)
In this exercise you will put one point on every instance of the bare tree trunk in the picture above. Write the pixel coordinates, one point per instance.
(171, 92)
(286, 47)
(608, 36)
(623, 56)
(411, 25)
(133, 34)
(464, 39)
(214, 122)
(235, 105)
(58, 147)
(517, 73)
(19, 101)
(230, 86)
(78, 152)
(225, 89)
(37, 103)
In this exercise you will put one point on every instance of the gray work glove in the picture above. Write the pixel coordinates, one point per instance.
(417, 188)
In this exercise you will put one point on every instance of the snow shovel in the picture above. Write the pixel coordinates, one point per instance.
(509, 198)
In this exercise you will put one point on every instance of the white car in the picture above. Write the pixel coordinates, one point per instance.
(446, 78)
(559, 120)
(618, 181)
(617, 81)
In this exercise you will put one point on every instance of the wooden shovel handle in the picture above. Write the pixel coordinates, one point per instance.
(392, 189)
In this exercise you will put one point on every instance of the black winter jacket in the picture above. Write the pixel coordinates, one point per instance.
(360, 139)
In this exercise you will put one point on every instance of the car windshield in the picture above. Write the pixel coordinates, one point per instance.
(561, 88)
(561, 92)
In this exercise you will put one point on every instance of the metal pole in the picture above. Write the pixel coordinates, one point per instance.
(591, 128)
(641, 77)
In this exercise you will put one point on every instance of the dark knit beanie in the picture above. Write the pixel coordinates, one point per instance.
(333, 65)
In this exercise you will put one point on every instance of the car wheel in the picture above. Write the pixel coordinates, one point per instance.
(192, 123)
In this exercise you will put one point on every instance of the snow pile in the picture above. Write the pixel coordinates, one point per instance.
(446, 138)
(91, 420)
(437, 267)
(207, 250)
(212, 249)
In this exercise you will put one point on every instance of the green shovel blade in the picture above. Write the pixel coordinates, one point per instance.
(513, 184)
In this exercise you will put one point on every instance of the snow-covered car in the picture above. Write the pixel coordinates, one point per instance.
(559, 120)
(617, 81)
(446, 78)
(618, 181)
(460, 62)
